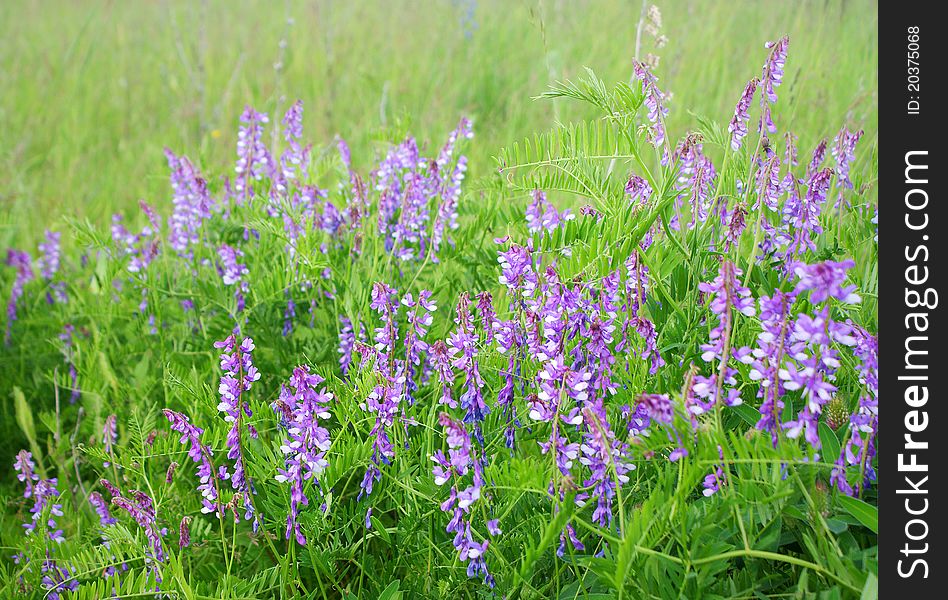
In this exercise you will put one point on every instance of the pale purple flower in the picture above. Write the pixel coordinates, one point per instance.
(202, 456)
(826, 280)
(23, 264)
(771, 77)
(307, 441)
(738, 125)
(654, 102)
(239, 375)
(253, 158)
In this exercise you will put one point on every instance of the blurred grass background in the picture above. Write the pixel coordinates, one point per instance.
(91, 92)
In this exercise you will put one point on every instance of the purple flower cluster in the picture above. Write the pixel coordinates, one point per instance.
(233, 272)
(771, 77)
(654, 101)
(454, 469)
(202, 456)
(253, 158)
(50, 256)
(192, 204)
(738, 125)
(543, 216)
(239, 375)
(23, 264)
(303, 405)
(141, 508)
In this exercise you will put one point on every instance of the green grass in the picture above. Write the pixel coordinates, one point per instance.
(91, 92)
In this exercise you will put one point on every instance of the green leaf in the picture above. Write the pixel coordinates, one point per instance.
(870, 591)
(865, 513)
(829, 441)
(391, 592)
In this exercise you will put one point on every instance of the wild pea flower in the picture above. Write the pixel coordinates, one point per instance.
(738, 125)
(728, 295)
(636, 287)
(57, 580)
(101, 508)
(638, 189)
(288, 315)
(735, 226)
(233, 272)
(816, 362)
(23, 264)
(447, 215)
(48, 263)
(801, 217)
(485, 309)
(557, 382)
(253, 158)
(867, 351)
(773, 343)
(654, 101)
(307, 443)
(659, 408)
(419, 320)
(191, 200)
(713, 481)
(860, 448)
(142, 510)
(825, 280)
(454, 468)
(184, 532)
(517, 272)
(844, 152)
(294, 159)
(702, 184)
(462, 347)
(239, 375)
(384, 402)
(606, 458)
(109, 437)
(45, 509)
(816, 160)
(66, 337)
(202, 456)
(771, 77)
(347, 342)
(543, 216)
(769, 185)
(384, 301)
(26, 471)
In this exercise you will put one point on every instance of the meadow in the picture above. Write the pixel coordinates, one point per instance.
(442, 299)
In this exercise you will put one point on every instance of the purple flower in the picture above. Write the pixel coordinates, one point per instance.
(738, 125)
(192, 205)
(384, 402)
(184, 532)
(771, 77)
(294, 158)
(608, 466)
(543, 216)
(253, 158)
(307, 441)
(844, 152)
(23, 264)
(200, 454)
(825, 280)
(654, 101)
(101, 509)
(142, 510)
(454, 468)
(26, 471)
(233, 273)
(239, 375)
(638, 189)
